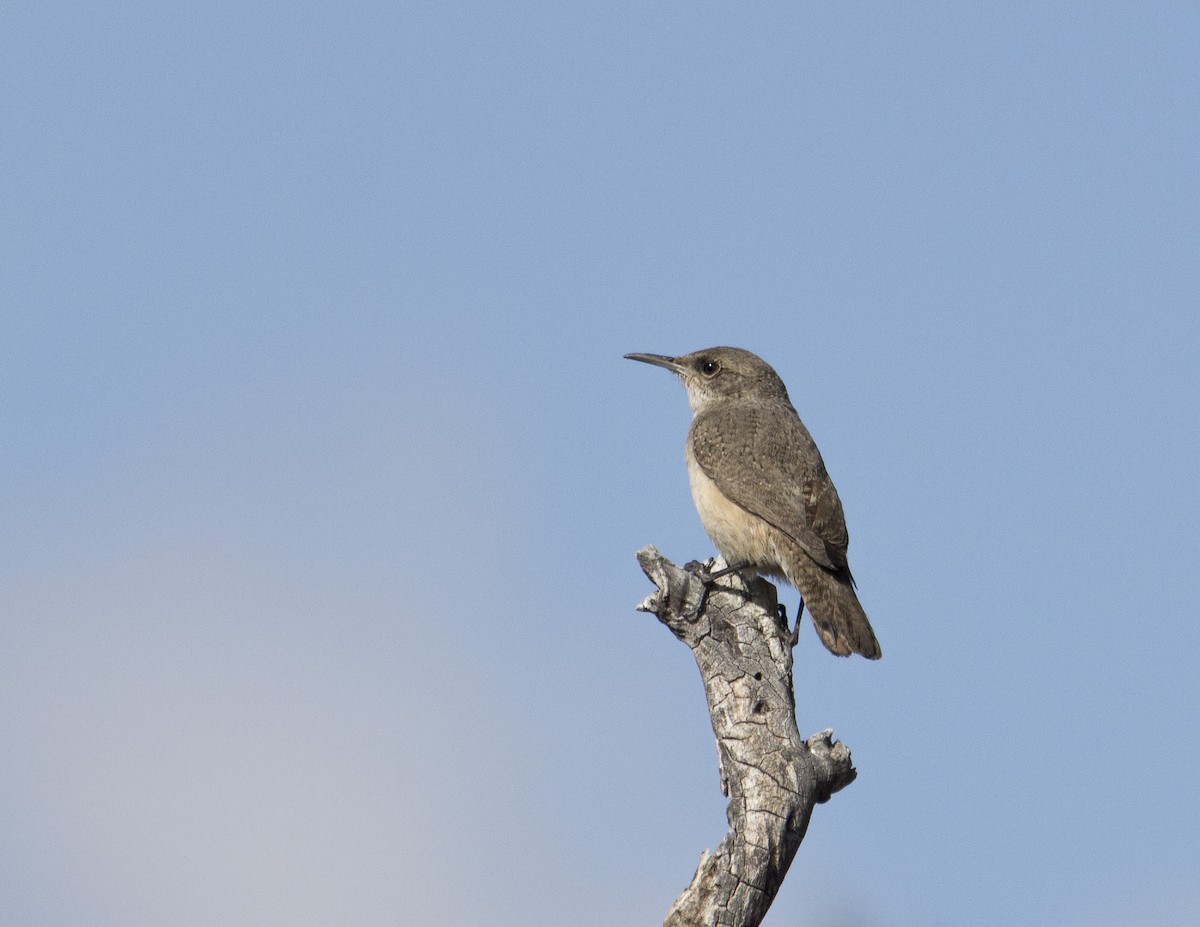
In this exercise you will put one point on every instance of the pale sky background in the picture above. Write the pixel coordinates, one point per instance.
(323, 474)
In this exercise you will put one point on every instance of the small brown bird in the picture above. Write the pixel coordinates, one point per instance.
(762, 491)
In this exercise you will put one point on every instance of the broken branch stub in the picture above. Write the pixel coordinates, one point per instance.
(772, 776)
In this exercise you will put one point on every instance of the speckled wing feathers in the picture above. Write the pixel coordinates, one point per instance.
(764, 460)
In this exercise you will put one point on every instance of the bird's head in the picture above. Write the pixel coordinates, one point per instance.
(717, 375)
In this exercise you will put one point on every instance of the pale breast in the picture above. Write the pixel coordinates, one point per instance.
(740, 536)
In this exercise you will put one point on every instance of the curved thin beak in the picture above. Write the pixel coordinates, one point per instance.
(658, 360)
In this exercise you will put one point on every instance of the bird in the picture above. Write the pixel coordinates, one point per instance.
(762, 491)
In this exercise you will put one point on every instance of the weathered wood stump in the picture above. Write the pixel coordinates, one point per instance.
(772, 776)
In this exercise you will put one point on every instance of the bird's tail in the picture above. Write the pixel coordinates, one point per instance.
(836, 612)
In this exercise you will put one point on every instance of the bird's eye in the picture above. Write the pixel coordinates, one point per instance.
(709, 368)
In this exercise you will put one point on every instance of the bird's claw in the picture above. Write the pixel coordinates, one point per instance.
(702, 571)
(707, 576)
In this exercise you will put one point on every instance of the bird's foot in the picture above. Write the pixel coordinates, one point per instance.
(705, 572)
(707, 576)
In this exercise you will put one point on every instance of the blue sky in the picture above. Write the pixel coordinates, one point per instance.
(323, 473)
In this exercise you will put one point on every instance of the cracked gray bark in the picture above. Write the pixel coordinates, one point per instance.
(772, 776)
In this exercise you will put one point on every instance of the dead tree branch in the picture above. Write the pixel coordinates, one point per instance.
(773, 777)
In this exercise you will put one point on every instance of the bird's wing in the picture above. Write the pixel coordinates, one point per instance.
(764, 459)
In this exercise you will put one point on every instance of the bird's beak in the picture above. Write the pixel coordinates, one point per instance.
(658, 360)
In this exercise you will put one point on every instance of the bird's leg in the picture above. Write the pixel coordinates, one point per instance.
(713, 577)
(796, 629)
(704, 573)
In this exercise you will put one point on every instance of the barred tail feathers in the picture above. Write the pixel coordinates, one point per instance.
(833, 604)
